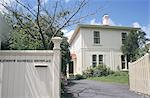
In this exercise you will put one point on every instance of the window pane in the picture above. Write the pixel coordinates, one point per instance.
(96, 37)
(124, 35)
(94, 62)
(122, 58)
(123, 65)
(100, 59)
(122, 61)
(94, 57)
(96, 40)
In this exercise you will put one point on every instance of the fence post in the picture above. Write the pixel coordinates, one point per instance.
(148, 64)
(56, 65)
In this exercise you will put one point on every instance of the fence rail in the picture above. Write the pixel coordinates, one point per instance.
(139, 75)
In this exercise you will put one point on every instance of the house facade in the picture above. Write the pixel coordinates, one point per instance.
(92, 45)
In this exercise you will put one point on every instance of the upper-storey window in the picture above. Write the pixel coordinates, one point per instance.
(124, 36)
(96, 37)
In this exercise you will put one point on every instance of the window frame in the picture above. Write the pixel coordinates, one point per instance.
(123, 62)
(96, 37)
(123, 37)
(100, 59)
(94, 61)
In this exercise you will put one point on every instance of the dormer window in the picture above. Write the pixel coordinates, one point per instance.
(96, 37)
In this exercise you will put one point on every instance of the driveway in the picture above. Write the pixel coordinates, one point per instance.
(95, 89)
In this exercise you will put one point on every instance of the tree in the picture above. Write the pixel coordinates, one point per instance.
(65, 55)
(33, 28)
(133, 45)
(42, 20)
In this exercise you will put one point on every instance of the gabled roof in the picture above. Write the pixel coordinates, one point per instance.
(99, 26)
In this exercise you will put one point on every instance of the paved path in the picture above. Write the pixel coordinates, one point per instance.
(95, 89)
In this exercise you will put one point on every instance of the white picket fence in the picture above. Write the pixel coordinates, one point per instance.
(139, 75)
(30, 74)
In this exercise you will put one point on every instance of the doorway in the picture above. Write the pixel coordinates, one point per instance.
(71, 65)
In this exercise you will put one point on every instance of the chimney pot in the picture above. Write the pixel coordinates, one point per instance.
(105, 20)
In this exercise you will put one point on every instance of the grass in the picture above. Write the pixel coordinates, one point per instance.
(123, 79)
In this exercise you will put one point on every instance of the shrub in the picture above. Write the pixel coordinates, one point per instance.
(79, 77)
(101, 70)
(88, 73)
(110, 71)
(98, 71)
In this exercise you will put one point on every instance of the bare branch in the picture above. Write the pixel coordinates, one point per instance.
(22, 26)
(25, 7)
(53, 20)
(83, 3)
(40, 30)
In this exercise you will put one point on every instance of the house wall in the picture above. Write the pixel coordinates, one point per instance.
(110, 58)
(109, 38)
(76, 49)
(110, 46)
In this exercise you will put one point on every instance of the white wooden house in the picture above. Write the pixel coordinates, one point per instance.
(98, 44)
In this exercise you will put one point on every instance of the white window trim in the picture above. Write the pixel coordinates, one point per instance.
(97, 44)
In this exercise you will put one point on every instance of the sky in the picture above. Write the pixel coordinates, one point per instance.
(133, 13)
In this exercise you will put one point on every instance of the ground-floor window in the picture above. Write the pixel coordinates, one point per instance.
(100, 59)
(123, 62)
(97, 59)
(94, 60)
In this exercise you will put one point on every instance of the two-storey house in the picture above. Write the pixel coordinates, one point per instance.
(98, 44)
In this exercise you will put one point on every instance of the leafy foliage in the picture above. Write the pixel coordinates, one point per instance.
(133, 44)
(98, 71)
(33, 29)
(65, 55)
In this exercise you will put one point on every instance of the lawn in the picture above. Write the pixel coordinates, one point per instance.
(123, 79)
